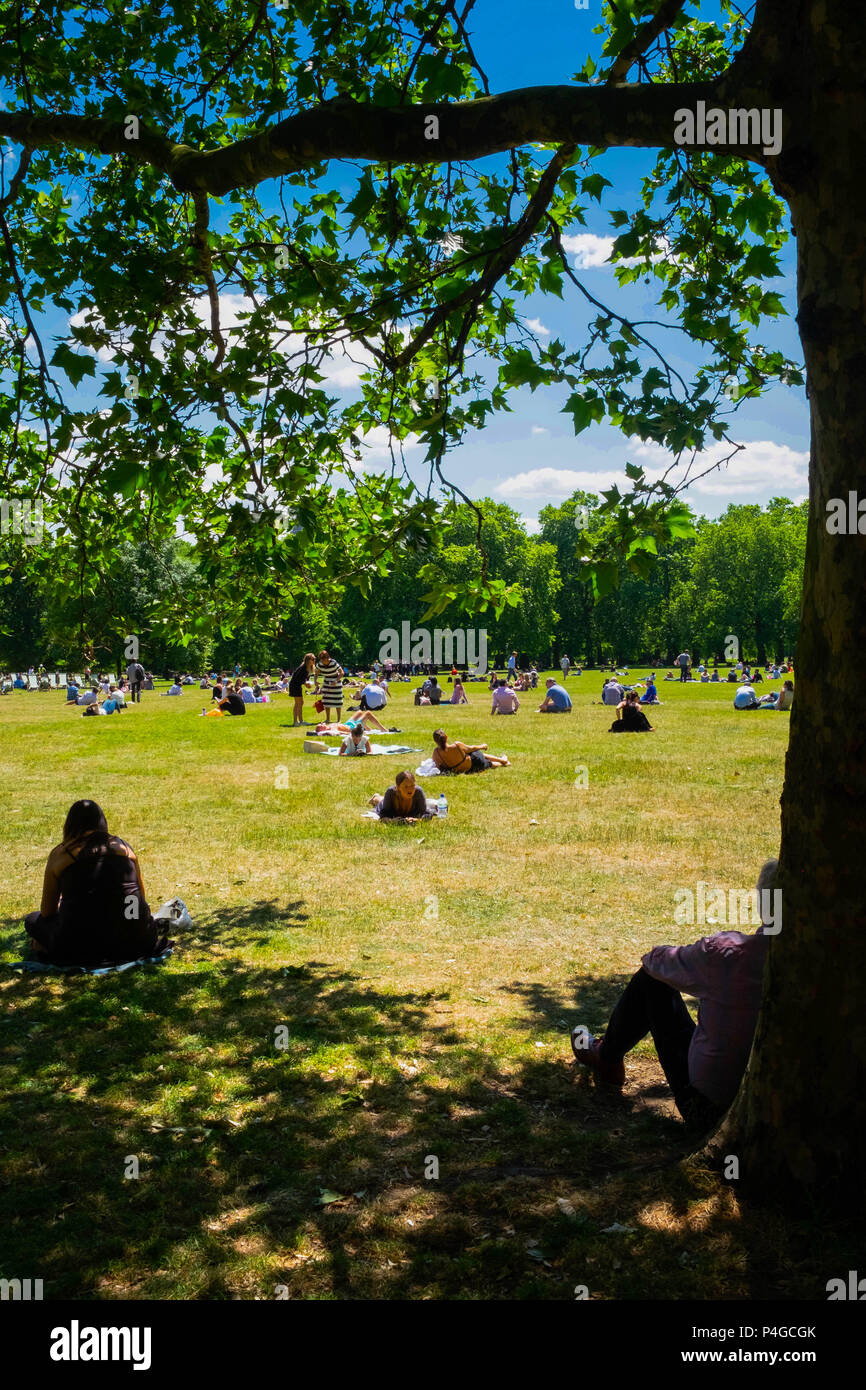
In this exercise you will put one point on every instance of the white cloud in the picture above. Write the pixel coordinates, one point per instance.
(761, 469)
(547, 484)
(376, 450)
(538, 327)
(532, 524)
(591, 251)
(540, 429)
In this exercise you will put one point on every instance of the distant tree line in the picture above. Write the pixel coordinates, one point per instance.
(737, 576)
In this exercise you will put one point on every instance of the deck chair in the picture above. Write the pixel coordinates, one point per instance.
(32, 682)
(61, 680)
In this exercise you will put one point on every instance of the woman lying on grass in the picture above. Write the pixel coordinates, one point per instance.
(462, 757)
(404, 801)
(359, 720)
(93, 911)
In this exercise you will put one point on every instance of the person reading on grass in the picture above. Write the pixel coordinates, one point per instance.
(94, 911)
(462, 757)
(356, 743)
(556, 701)
(404, 801)
(703, 1064)
(630, 718)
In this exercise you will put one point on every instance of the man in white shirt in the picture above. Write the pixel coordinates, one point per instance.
(745, 698)
(373, 696)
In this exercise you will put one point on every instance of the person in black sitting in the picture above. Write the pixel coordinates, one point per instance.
(94, 911)
(630, 718)
(233, 703)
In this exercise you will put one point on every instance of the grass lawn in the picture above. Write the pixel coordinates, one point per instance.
(426, 976)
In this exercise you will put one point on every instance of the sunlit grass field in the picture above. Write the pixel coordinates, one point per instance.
(421, 980)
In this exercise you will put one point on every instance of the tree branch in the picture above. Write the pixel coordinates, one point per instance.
(647, 34)
(638, 115)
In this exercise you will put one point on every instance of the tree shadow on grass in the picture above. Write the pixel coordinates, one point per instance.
(300, 1127)
(252, 924)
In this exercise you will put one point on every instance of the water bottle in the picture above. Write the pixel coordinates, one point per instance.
(442, 805)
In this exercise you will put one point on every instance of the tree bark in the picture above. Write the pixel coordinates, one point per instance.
(799, 1122)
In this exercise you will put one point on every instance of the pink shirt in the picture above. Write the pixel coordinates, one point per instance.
(725, 973)
(504, 699)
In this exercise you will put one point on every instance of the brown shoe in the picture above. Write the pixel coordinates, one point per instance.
(588, 1054)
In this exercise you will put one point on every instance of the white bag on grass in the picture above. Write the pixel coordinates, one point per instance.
(174, 912)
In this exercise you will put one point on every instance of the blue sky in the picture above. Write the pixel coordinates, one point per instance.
(530, 457)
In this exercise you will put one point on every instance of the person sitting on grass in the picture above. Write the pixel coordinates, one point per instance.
(651, 694)
(703, 1064)
(557, 700)
(458, 694)
(457, 757)
(504, 699)
(745, 698)
(94, 911)
(404, 801)
(433, 690)
(783, 700)
(114, 702)
(174, 688)
(630, 718)
(232, 702)
(356, 743)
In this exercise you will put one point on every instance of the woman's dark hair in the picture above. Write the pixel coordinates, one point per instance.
(82, 818)
(631, 697)
(401, 778)
(440, 738)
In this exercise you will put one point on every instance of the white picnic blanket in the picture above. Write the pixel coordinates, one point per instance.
(375, 748)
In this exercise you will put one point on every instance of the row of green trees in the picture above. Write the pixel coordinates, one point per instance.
(739, 575)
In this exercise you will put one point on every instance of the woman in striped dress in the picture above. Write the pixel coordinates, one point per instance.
(329, 678)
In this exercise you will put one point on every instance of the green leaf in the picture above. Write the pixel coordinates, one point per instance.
(75, 364)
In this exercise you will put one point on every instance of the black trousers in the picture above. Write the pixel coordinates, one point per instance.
(135, 691)
(646, 1006)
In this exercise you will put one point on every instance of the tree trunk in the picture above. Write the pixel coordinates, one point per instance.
(799, 1122)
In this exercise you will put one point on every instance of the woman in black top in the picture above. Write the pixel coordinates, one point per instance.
(296, 687)
(93, 911)
(404, 801)
(233, 703)
(630, 718)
